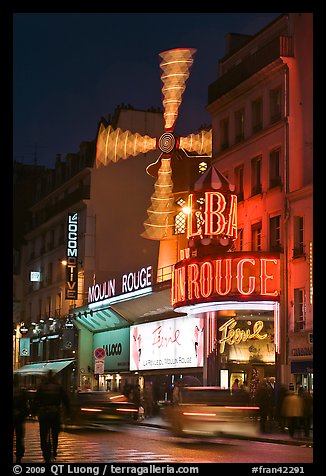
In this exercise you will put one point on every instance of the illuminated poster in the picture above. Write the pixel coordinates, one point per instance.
(247, 340)
(171, 343)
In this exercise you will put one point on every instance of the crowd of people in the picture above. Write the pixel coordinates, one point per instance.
(289, 410)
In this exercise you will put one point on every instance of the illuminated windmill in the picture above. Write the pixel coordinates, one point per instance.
(115, 144)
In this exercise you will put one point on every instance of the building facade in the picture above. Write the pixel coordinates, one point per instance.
(253, 318)
(262, 117)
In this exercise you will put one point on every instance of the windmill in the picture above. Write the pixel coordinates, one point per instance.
(115, 144)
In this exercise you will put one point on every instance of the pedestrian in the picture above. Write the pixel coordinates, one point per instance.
(176, 393)
(292, 409)
(148, 400)
(307, 410)
(50, 400)
(20, 413)
(135, 397)
(265, 400)
(235, 385)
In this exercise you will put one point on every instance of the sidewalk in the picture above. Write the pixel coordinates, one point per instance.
(270, 437)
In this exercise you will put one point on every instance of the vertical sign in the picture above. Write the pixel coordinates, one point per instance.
(24, 347)
(72, 257)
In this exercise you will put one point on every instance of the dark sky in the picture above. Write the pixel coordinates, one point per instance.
(70, 69)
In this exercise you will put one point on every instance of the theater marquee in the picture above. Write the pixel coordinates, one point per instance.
(236, 276)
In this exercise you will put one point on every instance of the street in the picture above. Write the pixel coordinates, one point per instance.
(141, 444)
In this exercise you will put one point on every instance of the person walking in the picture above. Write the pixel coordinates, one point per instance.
(292, 409)
(307, 410)
(264, 399)
(20, 413)
(50, 400)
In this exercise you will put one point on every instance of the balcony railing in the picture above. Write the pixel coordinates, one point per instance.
(280, 46)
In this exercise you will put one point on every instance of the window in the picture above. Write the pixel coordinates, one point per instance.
(239, 125)
(240, 240)
(274, 168)
(275, 233)
(298, 249)
(224, 131)
(49, 273)
(256, 176)
(257, 115)
(256, 234)
(299, 310)
(180, 220)
(238, 173)
(275, 101)
(180, 223)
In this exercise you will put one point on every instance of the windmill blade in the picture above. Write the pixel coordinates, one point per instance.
(200, 143)
(115, 144)
(160, 222)
(175, 67)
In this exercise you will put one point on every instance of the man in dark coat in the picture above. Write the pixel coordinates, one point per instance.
(50, 399)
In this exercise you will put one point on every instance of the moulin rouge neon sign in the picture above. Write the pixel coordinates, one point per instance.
(236, 276)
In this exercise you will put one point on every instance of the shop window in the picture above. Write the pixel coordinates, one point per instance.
(256, 187)
(274, 168)
(299, 310)
(257, 115)
(298, 249)
(256, 237)
(275, 233)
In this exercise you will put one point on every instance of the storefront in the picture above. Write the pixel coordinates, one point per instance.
(301, 360)
(166, 350)
(237, 296)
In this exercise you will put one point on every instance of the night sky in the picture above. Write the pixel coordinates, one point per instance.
(71, 69)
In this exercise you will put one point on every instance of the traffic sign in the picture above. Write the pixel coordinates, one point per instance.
(99, 353)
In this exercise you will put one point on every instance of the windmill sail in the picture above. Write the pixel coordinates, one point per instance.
(115, 144)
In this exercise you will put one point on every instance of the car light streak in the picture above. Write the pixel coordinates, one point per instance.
(198, 414)
(133, 410)
(241, 408)
(91, 410)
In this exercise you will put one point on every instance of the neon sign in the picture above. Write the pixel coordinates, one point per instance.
(234, 335)
(238, 276)
(72, 257)
(129, 283)
(219, 216)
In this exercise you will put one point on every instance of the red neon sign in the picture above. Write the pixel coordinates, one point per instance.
(216, 217)
(237, 276)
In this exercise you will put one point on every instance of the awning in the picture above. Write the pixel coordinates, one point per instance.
(40, 368)
(302, 367)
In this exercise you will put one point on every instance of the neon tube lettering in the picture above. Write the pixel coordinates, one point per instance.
(206, 279)
(264, 277)
(193, 285)
(251, 279)
(219, 277)
(233, 336)
(218, 213)
(232, 223)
